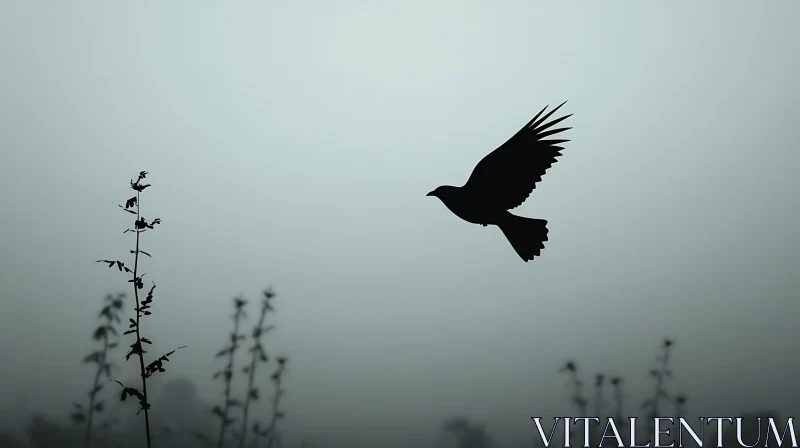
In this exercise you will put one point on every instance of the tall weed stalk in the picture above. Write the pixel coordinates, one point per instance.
(227, 373)
(661, 373)
(273, 438)
(103, 333)
(140, 226)
(257, 355)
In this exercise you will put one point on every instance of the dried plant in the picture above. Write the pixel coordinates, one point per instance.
(577, 386)
(271, 432)
(652, 405)
(227, 372)
(661, 373)
(141, 225)
(680, 402)
(616, 383)
(599, 399)
(103, 333)
(257, 355)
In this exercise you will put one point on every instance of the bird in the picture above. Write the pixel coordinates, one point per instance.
(504, 179)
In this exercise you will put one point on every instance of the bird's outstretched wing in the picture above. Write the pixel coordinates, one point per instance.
(508, 175)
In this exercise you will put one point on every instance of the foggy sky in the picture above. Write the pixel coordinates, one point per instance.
(292, 144)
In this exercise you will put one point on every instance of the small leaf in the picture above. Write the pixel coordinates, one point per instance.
(125, 209)
(99, 333)
(77, 417)
(93, 357)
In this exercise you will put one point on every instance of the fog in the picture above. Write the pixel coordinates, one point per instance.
(292, 144)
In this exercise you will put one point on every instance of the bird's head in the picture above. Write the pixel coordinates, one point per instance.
(443, 192)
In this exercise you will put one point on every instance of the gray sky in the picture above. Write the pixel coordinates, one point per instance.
(292, 144)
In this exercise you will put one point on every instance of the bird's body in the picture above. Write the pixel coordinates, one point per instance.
(503, 180)
(470, 207)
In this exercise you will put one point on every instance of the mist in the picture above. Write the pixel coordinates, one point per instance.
(292, 145)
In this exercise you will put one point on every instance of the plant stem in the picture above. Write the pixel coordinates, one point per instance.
(247, 400)
(580, 402)
(659, 388)
(93, 395)
(275, 402)
(138, 334)
(275, 411)
(599, 408)
(229, 377)
(660, 380)
(618, 399)
(252, 375)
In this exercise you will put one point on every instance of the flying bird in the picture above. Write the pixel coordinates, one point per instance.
(504, 179)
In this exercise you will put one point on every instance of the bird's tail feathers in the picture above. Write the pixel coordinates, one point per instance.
(526, 235)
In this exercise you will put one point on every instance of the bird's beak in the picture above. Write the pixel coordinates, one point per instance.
(430, 194)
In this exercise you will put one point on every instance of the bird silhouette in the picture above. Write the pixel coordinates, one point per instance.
(504, 179)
